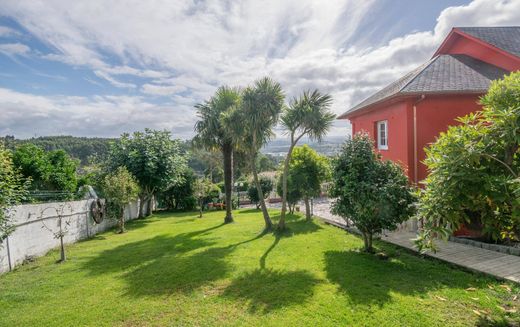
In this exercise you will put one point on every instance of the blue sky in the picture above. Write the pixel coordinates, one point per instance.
(100, 68)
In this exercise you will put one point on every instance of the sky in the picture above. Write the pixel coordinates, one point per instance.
(102, 68)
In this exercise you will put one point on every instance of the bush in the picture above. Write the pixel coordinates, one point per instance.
(120, 188)
(293, 192)
(13, 189)
(372, 193)
(307, 171)
(48, 170)
(267, 187)
(180, 196)
(474, 170)
(188, 203)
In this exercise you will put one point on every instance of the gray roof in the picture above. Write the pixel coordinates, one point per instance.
(506, 38)
(442, 74)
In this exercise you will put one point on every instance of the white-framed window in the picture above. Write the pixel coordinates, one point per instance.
(382, 135)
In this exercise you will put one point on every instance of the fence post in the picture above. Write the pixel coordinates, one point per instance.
(8, 253)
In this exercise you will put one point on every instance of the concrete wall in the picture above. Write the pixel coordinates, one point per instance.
(33, 236)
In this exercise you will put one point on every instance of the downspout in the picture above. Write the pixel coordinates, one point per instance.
(415, 226)
(415, 157)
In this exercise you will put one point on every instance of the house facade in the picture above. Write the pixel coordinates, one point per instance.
(407, 115)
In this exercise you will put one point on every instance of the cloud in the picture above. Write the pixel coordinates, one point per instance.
(14, 49)
(27, 115)
(113, 81)
(8, 32)
(185, 50)
(162, 89)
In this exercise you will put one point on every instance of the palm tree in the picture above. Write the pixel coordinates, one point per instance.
(308, 115)
(252, 123)
(213, 136)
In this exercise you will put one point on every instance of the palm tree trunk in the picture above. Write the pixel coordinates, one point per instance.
(267, 219)
(281, 223)
(227, 151)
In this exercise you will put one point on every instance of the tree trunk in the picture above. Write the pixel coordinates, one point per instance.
(281, 223)
(200, 207)
(267, 219)
(308, 215)
(62, 250)
(227, 151)
(367, 239)
(149, 207)
(142, 200)
(122, 220)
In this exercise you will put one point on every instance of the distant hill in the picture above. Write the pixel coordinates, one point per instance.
(77, 147)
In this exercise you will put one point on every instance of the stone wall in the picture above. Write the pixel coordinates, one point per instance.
(35, 224)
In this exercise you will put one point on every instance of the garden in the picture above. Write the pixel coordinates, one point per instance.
(178, 269)
(194, 258)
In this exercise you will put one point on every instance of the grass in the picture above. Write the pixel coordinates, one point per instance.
(176, 269)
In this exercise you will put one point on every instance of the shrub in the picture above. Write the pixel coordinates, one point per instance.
(372, 193)
(13, 188)
(267, 187)
(474, 170)
(48, 170)
(120, 188)
(180, 195)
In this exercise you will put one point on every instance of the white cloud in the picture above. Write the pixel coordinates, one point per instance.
(113, 81)
(27, 115)
(14, 49)
(192, 47)
(162, 89)
(8, 32)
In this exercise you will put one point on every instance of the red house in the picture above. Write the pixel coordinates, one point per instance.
(407, 115)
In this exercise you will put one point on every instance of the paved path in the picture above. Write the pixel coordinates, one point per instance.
(494, 263)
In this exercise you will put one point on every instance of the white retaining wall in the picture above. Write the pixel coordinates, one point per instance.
(31, 238)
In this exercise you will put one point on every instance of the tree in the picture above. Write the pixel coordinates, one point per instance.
(48, 170)
(212, 135)
(294, 193)
(120, 189)
(13, 189)
(202, 188)
(207, 163)
(82, 148)
(180, 195)
(307, 171)
(372, 193)
(308, 115)
(153, 158)
(266, 184)
(475, 170)
(251, 125)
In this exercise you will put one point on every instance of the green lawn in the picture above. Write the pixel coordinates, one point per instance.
(177, 269)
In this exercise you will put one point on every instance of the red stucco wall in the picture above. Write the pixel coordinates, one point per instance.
(434, 115)
(399, 126)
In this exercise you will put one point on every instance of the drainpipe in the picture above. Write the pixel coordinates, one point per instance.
(415, 157)
(415, 226)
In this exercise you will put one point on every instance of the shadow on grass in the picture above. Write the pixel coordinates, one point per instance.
(247, 211)
(266, 290)
(295, 226)
(164, 264)
(368, 280)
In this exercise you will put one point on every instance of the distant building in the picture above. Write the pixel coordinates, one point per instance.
(407, 115)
